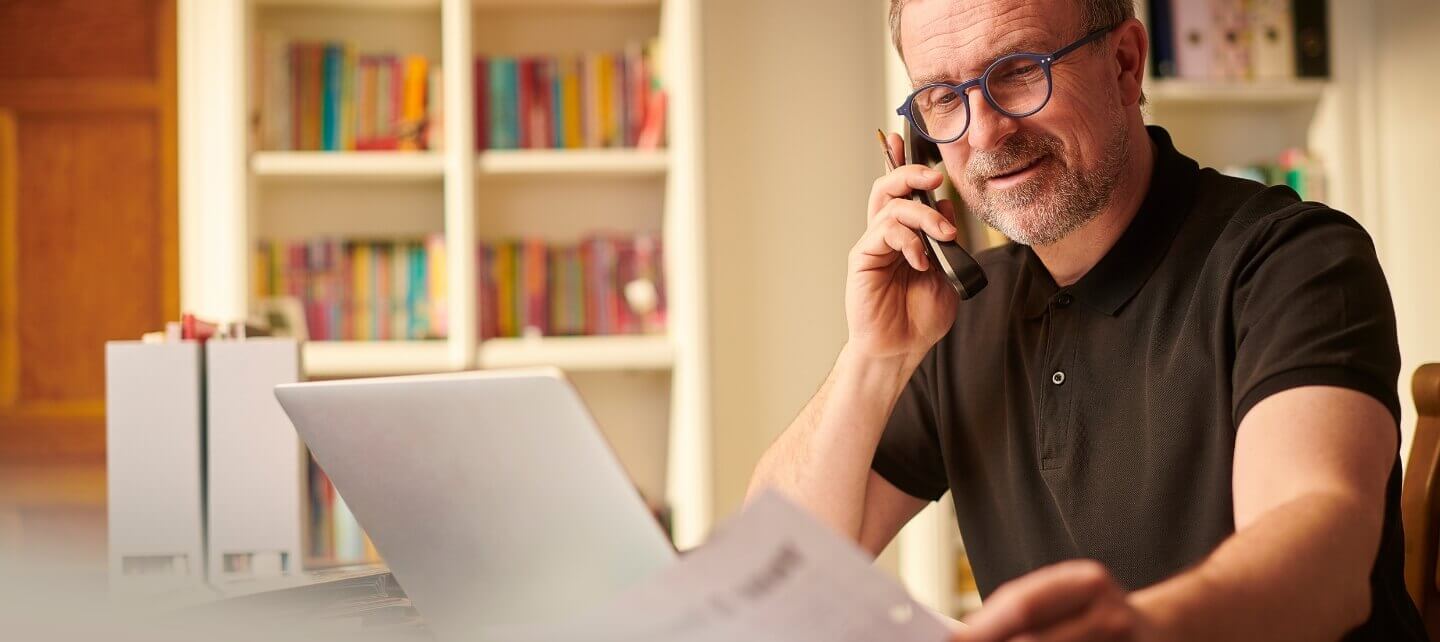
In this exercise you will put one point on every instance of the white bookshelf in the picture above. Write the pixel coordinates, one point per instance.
(580, 354)
(1218, 123)
(580, 162)
(336, 359)
(652, 389)
(396, 166)
(1298, 91)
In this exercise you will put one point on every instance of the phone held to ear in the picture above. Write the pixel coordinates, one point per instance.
(961, 270)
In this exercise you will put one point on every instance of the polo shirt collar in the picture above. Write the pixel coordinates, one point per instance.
(1124, 269)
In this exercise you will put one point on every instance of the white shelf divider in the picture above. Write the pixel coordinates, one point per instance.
(399, 166)
(594, 162)
(1172, 91)
(580, 353)
(326, 359)
(405, 5)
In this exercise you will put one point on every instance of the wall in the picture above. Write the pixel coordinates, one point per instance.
(1408, 65)
(792, 99)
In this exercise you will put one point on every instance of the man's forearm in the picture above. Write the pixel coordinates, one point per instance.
(1299, 572)
(822, 461)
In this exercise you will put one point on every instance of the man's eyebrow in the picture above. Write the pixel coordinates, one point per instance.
(1015, 46)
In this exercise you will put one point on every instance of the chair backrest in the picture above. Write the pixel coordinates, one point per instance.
(1420, 499)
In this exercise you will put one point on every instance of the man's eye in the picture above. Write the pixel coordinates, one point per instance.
(1023, 73)
(941, 101)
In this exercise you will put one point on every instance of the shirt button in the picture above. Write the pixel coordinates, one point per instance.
(1058, 378)
(1064, 300)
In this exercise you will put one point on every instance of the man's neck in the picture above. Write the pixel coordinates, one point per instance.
(1071, 257)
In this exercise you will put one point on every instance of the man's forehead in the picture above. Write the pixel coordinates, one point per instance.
(944, 39)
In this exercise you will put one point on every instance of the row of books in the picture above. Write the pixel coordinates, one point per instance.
(1239, 39)
(606, 284)
(333, 533)
(598, 99)
(325, 96)
(359, 290)
(1294, 167)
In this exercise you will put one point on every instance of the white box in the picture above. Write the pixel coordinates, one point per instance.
(256, 466)
(154, 464)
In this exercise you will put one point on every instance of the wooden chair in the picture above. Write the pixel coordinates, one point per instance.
(1420, 499)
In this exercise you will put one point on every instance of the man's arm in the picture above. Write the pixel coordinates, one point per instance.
(822, 461)
(896, 309)
(1311, 465)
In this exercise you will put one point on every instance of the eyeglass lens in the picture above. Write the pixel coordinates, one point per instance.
(1017, 85)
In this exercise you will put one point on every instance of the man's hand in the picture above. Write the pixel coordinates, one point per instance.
(1070, 601)
(896, 303)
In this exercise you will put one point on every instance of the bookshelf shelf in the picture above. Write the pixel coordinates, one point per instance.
(396, 166)
(566, 4)
(591, 162)
(580, 353)
(353, 4)
(1172, 91)
(324, 359)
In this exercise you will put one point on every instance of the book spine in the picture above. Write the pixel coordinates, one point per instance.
(524, 98)
(571, 86)
(330, 97)
(412, 105)
(348, 89)
(504, 292)
(545, 89)
(422, 294)
(439, 312)
(482, 103)
(435, 109)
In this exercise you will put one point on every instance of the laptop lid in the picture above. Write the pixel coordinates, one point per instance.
(492, 496)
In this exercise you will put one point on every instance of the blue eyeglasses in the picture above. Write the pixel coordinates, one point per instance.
(1017, 85)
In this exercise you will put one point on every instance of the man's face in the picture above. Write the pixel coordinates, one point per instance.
(1038, 178)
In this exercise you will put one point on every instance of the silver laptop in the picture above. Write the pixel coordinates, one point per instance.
(492, 496)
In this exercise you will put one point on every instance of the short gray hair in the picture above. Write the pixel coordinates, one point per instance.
(1094, 14)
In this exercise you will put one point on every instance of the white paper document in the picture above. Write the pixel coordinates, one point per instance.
(771, 574)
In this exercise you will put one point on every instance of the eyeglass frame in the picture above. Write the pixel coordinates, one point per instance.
(963, 89)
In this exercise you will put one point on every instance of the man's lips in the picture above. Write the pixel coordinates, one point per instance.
(1015, 175)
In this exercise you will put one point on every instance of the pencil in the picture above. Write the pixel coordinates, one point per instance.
(885, 147)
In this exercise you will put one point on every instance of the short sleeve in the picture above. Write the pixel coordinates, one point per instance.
(1312, 307)
(909, 452)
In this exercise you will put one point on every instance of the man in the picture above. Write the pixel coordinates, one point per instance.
(1171, 416)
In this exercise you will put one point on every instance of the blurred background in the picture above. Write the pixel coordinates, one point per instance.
(655, 195)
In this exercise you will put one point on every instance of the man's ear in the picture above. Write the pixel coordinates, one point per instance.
(1132, 49)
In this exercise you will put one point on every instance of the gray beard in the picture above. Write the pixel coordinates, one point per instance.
(1060, 200)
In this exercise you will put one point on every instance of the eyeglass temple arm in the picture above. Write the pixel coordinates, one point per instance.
(1089, 38)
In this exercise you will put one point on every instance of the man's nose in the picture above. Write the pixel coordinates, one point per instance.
(989, 127)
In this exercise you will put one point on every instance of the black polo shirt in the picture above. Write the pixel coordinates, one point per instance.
(1099, 420)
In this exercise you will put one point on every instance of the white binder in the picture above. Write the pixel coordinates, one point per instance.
(1195, 39)
(1272, 39)
(154, 462)
(256, 467)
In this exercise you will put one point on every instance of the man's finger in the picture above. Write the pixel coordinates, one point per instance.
(1108, 618)
(1038, 600)
(900, 183)
(947, 209)
(897, 148)
(916, 216)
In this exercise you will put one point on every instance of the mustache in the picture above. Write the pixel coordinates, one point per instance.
(1020, 148)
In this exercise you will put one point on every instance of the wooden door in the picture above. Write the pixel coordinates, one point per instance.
(88, 246)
